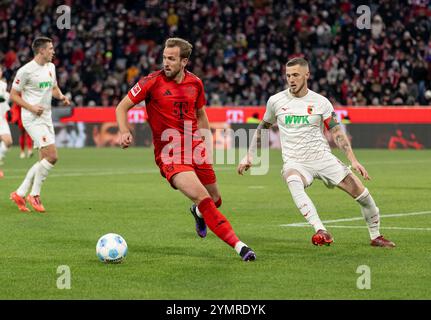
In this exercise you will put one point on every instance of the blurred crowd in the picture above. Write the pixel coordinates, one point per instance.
(240, 47)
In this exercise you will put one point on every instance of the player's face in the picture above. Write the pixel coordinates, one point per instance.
(172, 62)
(47, 52)
(297, 77)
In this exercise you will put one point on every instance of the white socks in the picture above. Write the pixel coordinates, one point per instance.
(370, 212)
(40, 176)
(239, 245)
(198, 212)
(3, 150)
(303, 202)
(26, 184)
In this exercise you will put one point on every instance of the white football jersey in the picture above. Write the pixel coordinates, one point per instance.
(35, 82)
(300, 121)
(4, 106)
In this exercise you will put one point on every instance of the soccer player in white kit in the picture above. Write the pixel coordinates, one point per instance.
(5, 136)
(33, 88)
(301, 115)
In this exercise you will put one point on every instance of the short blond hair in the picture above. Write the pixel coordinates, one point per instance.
(297, 61)
(184, 45)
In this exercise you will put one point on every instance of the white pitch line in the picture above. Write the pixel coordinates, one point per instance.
(300, 224)
(80, 174)
(365, 227)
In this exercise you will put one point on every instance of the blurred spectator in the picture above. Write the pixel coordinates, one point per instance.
(240, 47)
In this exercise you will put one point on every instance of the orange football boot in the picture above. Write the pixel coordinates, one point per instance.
(35, 203)
(322, 237)
(19, 201)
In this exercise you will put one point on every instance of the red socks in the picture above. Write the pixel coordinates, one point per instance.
(218, 203)
(23, 138)
(217, 222)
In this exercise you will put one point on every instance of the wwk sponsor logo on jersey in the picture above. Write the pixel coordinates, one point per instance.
(296, 120)
(45, 84)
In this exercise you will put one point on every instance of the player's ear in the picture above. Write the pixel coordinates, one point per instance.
(184, 62)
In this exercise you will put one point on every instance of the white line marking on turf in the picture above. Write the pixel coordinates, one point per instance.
(256, 187)
(89, 173)
(305, 224)
(365, 227)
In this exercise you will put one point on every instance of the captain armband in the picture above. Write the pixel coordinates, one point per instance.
(331, 122)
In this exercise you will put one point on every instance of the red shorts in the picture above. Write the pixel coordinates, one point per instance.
(205, 172)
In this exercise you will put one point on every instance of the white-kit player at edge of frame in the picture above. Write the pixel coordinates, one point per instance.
(301, 115)
(33, 88)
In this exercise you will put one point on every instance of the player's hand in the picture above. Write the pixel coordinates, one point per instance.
(244, 165)
(65, 100)
(37, 109)
(361, 170)
(126, 139)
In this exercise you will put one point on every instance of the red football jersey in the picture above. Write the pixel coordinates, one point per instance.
(171, 105)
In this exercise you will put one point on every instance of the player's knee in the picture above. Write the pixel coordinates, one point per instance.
(52, 158)
(294, 179)
(295, 185)
(7, 140)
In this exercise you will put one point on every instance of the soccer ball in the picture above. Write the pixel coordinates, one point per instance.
(111, 248)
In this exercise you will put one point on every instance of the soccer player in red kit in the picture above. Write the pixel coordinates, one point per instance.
(175, 104)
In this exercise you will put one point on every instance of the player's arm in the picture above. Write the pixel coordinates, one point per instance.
(56, 93)
(343, 143)
(123, 107)
(246, 162)
(15, 96)
(205, 131)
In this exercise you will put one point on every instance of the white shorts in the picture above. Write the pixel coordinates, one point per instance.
(4, 127)
(42, 133)
(329, 169)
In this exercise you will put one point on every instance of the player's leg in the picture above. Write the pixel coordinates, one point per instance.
(296, 183)
(29, 143)
(5, 138)
(189, 184)
(5, 144)
(18, 196)
(48, 158)
(22, 134)
(206, 176)
(353, 186)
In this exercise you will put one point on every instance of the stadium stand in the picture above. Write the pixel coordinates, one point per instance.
(240, 47)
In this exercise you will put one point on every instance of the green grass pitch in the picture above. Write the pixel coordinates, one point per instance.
(95, 191)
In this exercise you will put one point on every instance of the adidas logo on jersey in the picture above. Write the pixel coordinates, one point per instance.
(167, 93)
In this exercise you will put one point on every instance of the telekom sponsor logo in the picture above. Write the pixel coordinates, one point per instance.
(136, 115)
(235, 116)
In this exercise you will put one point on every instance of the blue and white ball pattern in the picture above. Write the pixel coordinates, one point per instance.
(111, 248)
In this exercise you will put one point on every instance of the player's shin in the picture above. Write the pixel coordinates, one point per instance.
(40, 176)
(303, 202)
(28, 180)
(217, 222)
(370, 213)
(3, 149)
